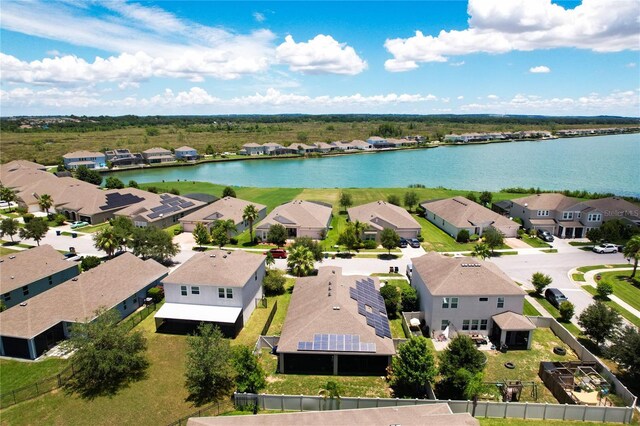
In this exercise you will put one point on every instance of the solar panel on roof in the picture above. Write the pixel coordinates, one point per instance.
(336, 343)
(366, 294)
(116, 199)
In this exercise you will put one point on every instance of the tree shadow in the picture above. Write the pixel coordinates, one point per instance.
(10, 243)
(104, 388)
(387, 256)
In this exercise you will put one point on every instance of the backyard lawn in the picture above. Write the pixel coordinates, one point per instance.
(15, 374)
(436, 239)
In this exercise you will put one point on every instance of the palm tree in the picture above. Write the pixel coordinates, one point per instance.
(8, 195)
(481, 250)
(331, 390)
(250, 214)
(45, 202)
(632, 251)
(107, 240)
(300, 261)
(228, 226)
(269, 261)
(359, 228)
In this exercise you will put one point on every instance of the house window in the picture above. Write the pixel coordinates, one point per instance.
(483, 324)
(183, 290)
(567, 215)
(454, 302)
(255, 277)
(229, 293)
(444, 324)
(465, 324)
(474, 324)
(124, 305)
(6, 297)
(500, 302)
(484, 299)
(195, 290)
(25, 290)
(445, 303)
(594, 217)
(221, 293)
(543, 212)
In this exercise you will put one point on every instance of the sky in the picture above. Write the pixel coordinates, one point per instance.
(121, 57)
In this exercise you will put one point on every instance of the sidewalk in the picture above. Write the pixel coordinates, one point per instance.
(589, 278)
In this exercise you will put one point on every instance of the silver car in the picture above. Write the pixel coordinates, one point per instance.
(606, 248)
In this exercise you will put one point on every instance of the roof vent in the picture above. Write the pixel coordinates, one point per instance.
(333, 272)
(229, 252)
(336, 308)
(12, 257)
(23, 304)
(329, 295)
(224, 256)
(74, 279)
(12, 277)
(213, 255)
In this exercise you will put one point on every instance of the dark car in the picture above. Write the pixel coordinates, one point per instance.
(555, 296)
(414, 243)
(545, 235)
(278, 253)
(403, 243)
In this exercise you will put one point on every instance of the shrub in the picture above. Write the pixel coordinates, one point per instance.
(156, 293)
(392, 300)
(566, 311)
(474, 237)
(370, 244)
(60, 219)
(178, 230)
(22, 210)
(604, 289)
(89, 262)
(174, 191)
(273, 282)
(410, 299)
(463, 236)
(233, 241)
(152, 189)
(421, 238)
(521, 233)
(27, 217)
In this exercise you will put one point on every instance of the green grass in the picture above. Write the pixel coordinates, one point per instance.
(573, 329)
(594, 267)
(521, 422)
(94, 228)
(397, 332)
(16, 374)
(629, 291)
(577, 277)
(534, 242)
(171, 230)
(386, 274)
(550, 250)
(610, 303)
(530, 310)
(580, 243)
(435, 239)
(5, 250)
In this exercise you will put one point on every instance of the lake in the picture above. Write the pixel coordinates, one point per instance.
(595, 164)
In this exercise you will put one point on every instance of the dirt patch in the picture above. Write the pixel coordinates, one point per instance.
(273, 379)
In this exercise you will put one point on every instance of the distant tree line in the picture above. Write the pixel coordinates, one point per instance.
(577, 193)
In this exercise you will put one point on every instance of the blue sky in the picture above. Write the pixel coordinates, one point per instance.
(481, 56)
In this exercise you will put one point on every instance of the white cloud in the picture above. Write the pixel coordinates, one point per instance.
(496, 26)
(631, 65)
(492, 97)
(457, 64)
(322, 54)
(542, 69)
(460, 98)
(259, 17)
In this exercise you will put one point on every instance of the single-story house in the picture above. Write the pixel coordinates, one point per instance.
(159, 210)
(301, 218)
(93, 160)
(186, 153)
(218, 287)
(223, 209)
(303, 148)
(379, 142)
(336, 324)
(28, 273)
(158, 155)
(31, 328)
(379, 215)
(325, 147)
(457, 213)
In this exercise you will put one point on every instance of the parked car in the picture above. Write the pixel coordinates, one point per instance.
(278, 253)
(403, 243)
(413, 242)
(79, 224)
(606, 248)
(555, 296)
(545, 235)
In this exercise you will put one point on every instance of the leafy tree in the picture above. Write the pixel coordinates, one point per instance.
(410, 199)
(604, 290)
(250, 377)
(358, 229)
(8, 195)
(473, 386)
(123, 229)
(625, 350)
(113, 182)
(219, 236)
(389, 239)
(599, 322)
(89, 262)
(485, 198)
(300, 261)
(461, 353)
(346, 200)
(45, 202)
(277, 235)
(228, 192)
(274, 282)
(471, 197)
(210, 375)
(106, 240)
(493, 238)
(227, 226)
(35, 229)
(156, 293)
(152, 131)
(85, 174)
(481, 251)
(412, 369)
(409, 299)
(331, 390)
(566, 311)
(632, 251)
(133, 184)
(540, 281)
(209, 150)
(463, 236)
(269, 261)
(201, 234)
(594, 235)
(9, 226)
(392, 300)
(393, 199)
(154, 243)
(313, 246)
(250, 214)
(348, 238)
(107, 355)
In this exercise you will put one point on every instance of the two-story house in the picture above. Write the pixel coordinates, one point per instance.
(92, 160)
(252, 149)
(158, 155)
(470, 296)
(217, 287)
(186, 153)
(123, 157)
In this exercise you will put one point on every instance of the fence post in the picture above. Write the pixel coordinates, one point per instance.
(300, 402)
(604, 414)
(506, 407)
(358, 403)
(37, 390)
(282, 401)
(564, 412)
(526, 406)
(544, 413)
(584, 412)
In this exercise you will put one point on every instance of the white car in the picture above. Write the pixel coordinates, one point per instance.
(606, 248)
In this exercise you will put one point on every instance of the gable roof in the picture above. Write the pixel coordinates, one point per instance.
(23, 164)
(156, 207)
(461, 212)
(546, 201)
(217, 268)
(513, 322)
(184, 148)
(156, 151)
(379, 213)
(24, 267)
(302, 213)
(82, 154)
(615, 208)
(451, 276)
(78, 299)
(224, 208)
(311, 311)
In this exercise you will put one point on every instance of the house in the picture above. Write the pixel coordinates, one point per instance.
(301, 219)
(470, 296)
(302, 148)
(123, 157)
(186, 153)
(360, 145)
(324, 147)
(457, 213)
(28, 273)
(378, 142)
(92, 160)
(222, 209)
(612, 208)
(158, 155)
(336, 324)
(379, 215)
(30, 329)
(159, 210)
(253, 149)
(24, 165)
(398, 143)
(272, 148)
(218, 287)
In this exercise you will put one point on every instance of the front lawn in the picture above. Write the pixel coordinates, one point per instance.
(534, 242)
(530, 310)
(613, 305)
(627, 290)
(94, 228)
(435, 239)
(584, 269)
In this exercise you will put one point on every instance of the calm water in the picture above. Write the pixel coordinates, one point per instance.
(597, 164)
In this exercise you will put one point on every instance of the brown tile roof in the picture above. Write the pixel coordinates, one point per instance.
(24, 267)
(614, 207)
(412, 415)
(78, 299)
(185, 148)
(22, 164)
(156, 151)
(82, 154)
(251, 145)
(305, 214)
(217, 268)
(380, 214)
(461, 213)
(513, 322)
(446, 276)
(145, 209)
(546, 201)
(224, 208)
(311, 311)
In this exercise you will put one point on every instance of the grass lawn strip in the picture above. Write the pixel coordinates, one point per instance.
(610, 303)
(584, 269)
(571, 327)
(578, 277)
(625, 290)
(5, 250)
(535, 242)
(530, 310)
(533, 422)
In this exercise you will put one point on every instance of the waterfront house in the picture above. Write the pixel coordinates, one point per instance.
(158, 155)
(272, 148)
(92, 160)
(217, 287)
(379, 143)
(361, 145)
(123, 157)
(302, 148)
(301, 218)
(252, 149)
(336, 324)
(186, 153)
(324, 147)
(30, 329)
(222, 209)
(27, 273)
(379, 215)
(159, 210)
(457, 213)
(470, 296)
